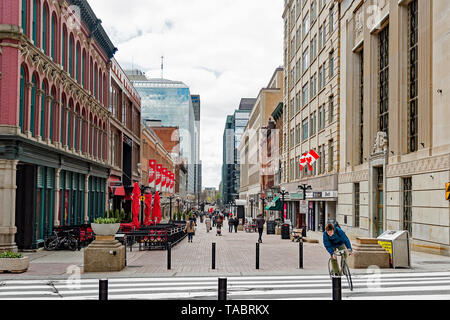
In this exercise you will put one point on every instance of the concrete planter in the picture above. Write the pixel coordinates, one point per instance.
(105, 229)
(16, 265)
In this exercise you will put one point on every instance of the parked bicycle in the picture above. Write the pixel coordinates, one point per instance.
(61, 241)
(344, 269)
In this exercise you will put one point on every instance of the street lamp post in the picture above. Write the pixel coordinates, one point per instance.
(283, 192)
(304, 188)
(263, 198)
(170, 199)
(251, 204)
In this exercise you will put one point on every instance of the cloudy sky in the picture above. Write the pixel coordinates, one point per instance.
(224, 50)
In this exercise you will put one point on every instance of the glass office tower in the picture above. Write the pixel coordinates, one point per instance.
(170, 102)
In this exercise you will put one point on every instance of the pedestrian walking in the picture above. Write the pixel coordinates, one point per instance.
(260, 225)
(190, 229)
(236, 224)
(208, 223)
(214, 219)
(230, 224)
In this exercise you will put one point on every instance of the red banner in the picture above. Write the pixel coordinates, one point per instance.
(151, 173)
(164, 179)
(158, 177)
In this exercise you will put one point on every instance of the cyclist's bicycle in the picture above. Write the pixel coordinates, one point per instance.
(344, 269)
(57, 241)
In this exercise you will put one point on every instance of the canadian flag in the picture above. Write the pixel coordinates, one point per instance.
(308, 159)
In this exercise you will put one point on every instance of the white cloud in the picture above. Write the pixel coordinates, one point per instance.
(224, 50)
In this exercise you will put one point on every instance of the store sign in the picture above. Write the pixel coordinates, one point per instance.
(303, 206)
(297, 196)
(329, 194)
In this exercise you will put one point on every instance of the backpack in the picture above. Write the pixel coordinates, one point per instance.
(334, 223)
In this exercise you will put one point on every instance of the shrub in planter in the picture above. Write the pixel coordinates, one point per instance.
(13, 262)
(105, 226)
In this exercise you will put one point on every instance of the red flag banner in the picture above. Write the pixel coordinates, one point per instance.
(158, 177)
(163, 179)
(151, 173)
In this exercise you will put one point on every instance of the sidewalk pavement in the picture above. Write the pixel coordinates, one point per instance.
(235, 256)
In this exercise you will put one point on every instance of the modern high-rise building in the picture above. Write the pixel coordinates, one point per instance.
(234, 128)
(197, 163)
(171, 103)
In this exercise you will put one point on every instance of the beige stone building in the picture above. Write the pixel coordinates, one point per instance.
(311, 109)
(249, 149)
(394, 148)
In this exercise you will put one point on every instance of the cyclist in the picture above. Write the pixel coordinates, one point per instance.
(334, 238)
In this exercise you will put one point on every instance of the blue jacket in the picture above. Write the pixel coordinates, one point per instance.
(336, 240)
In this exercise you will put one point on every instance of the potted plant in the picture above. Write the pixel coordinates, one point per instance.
(105, 226)
(13, 262)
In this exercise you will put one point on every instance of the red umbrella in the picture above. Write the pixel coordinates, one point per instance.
(156, 212)
(148, 206)
(136, 194)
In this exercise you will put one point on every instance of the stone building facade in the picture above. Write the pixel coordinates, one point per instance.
(395, 152)
(250, 145)
(311, 118)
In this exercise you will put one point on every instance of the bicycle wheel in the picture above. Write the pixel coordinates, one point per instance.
(51, 244)
(330, 268)
(346, 271)
(72, 244)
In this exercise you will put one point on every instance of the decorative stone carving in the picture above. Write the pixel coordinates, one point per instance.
(380, 143)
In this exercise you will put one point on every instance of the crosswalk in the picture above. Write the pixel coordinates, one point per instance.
(386, 286)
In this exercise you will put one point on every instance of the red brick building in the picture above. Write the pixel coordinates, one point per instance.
(54, 120)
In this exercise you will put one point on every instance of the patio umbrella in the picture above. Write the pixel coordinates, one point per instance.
(148, 207)
(156, 210)
(136, 194)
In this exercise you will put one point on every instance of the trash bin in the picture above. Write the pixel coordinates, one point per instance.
(270, 227)
(285, 231)
(397, 244)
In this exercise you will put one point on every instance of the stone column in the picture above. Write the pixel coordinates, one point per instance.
(86, 199)
(56, 221)
(8, 229)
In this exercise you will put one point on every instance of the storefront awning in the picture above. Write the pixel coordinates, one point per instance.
(275, 205)
(119, 191)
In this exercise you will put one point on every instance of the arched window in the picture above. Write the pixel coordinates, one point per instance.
(52, 114)
(82, 132)
(22, 98)
(71, 49)
(35, 22)
(33, 104)
(64, 48)
(77, 63)
(76, 124)
(83, 70)
(63, 120)
(69, 125)
(91, 75)
(42, 126)
(54, 37)
(45, 29)
(95, 80)
(24, 16)
(100, 92)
